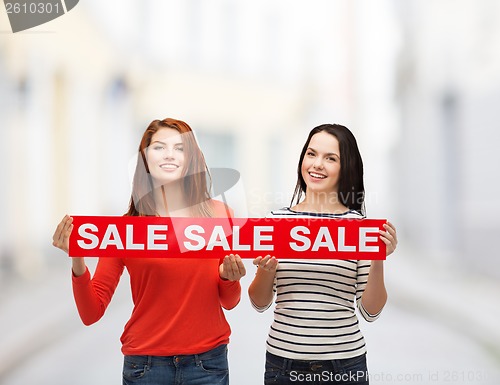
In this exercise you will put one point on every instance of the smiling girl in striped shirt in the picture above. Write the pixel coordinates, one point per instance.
(315, 337)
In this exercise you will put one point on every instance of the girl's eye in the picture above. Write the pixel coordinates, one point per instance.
(158, 148)
(180, 149)
(309, 153)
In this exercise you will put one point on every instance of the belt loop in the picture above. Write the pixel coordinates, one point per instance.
(287, 364)
(337, 368)
(197, 359)
(150, 361)
(283, 366)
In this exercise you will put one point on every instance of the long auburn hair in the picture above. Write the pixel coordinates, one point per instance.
(351, 192)
(196, 180)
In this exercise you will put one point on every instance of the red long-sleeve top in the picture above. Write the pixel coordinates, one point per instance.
(177, 302)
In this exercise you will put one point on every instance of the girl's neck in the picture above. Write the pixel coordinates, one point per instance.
(321, 203)
(170, 202)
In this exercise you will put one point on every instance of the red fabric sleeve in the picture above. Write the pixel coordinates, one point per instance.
(229, 293)
(92, 296)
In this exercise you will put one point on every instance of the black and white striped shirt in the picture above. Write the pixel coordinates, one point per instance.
(315, 317)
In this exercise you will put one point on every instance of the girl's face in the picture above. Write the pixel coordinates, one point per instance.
(165, 155)
(321, 164)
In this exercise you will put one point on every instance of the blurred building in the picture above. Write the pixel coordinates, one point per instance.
(60, 92)
(251, 79)
(448, 93)
(416, 82)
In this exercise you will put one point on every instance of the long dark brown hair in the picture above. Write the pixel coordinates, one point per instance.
(351, 192)
(196, 179)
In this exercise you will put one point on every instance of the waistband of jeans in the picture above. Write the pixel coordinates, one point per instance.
(306, 365)
(212, 353)
(184, 359)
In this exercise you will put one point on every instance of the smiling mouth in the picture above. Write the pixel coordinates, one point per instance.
(169, 166)
(317, 176)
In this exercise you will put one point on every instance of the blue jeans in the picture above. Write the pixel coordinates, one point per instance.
(283, 371)
(207, 368)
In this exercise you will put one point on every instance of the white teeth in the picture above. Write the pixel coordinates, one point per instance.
(314, 175)
(169, 166)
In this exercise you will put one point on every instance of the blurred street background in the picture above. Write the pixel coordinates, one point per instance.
(418, 82)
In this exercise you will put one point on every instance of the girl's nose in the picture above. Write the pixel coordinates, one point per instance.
(318, 163)
(168, 153)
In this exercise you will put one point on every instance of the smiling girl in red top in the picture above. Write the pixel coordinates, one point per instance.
(177, 330)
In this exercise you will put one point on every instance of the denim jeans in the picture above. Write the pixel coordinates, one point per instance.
(283, 371)
(207, 368)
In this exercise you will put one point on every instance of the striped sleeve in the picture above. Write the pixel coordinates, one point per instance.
(362, 279)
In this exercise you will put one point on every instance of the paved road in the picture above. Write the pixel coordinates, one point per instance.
(406, 345)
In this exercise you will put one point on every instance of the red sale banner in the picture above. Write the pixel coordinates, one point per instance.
(284, 238)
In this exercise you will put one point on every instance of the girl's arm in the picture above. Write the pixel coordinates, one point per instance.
(375, 295)
(60, 239)
(260, 290)
(92, 296)
(231, 270)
